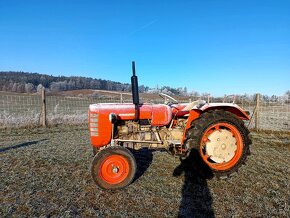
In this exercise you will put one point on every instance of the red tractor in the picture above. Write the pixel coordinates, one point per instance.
(215, 130)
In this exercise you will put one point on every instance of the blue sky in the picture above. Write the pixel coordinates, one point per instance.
(216, 46)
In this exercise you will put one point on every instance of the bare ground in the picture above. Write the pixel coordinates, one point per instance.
(45, 172)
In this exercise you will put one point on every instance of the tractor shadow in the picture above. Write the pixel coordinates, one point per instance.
(144, 159)
(25, 144)
(196, 198)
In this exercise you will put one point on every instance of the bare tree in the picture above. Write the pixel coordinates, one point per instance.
(29, 88)
(14, 87)
(39, 88)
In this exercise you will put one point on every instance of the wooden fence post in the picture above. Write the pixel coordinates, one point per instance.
(121, 97)
(43, 107)
(224, 99)
(242, 102)
(257, 114)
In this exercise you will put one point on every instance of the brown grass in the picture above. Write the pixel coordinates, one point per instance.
(45, 172)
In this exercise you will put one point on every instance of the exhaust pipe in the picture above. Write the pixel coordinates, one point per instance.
(135, 91)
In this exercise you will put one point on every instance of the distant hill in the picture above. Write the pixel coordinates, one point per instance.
(24, 82)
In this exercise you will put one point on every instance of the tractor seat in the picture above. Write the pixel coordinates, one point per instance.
(197, 104)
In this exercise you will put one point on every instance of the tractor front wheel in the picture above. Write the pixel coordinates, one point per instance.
(222, 141)
(113, 168)
(95, 150)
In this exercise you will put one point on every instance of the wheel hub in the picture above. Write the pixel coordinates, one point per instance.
(221, 146)
(115, 169)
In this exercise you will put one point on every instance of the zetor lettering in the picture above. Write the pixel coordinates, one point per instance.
(215, 130)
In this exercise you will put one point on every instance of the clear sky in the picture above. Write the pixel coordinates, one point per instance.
(216, 46)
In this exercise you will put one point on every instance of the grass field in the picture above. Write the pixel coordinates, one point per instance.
(45, 172)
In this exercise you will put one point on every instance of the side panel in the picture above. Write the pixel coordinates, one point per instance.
(193, 114)
(100, 128)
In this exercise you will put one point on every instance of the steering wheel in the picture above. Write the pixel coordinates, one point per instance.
(165, 97)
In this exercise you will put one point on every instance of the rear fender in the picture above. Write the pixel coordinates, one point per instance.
(233, 108)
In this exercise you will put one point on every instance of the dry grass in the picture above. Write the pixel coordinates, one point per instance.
(45, 172)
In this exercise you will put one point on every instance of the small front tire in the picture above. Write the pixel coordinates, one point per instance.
(95, 151)
(113, 168)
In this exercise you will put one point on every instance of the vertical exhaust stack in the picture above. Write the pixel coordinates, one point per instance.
(135, 91)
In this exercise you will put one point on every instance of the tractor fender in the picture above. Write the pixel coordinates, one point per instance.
(233, 108)
(197, 111)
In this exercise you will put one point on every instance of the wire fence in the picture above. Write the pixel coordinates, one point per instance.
(21, 110)
(269, 115)
(26, 110)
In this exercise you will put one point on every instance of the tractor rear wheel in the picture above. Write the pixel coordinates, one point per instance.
(113, 168)
(222, 141)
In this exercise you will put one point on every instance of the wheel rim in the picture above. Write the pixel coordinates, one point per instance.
(114, 169)
(221, 146)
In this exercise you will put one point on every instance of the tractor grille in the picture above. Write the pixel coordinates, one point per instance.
(94, 124)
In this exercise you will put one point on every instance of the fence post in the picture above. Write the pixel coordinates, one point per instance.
(257, 114)
(242, 99)
(43, 107)
(121, 97)
(224, 99)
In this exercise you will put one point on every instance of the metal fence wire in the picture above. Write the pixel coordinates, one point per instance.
(19, 110)
(22, 110)
(270, 115)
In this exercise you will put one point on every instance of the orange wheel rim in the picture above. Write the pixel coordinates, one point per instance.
(114, 169)
(236, 146)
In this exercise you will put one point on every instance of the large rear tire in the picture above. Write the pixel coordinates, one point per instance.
(222, 141)
(113, 168)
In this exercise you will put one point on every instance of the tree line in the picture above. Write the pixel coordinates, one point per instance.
(23, 82)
